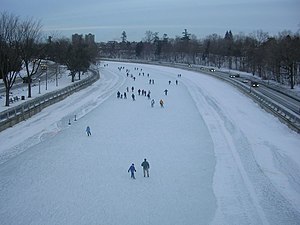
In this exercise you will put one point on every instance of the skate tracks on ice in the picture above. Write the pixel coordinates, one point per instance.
(215, 156)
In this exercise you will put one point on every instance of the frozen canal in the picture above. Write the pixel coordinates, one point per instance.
(215, 156)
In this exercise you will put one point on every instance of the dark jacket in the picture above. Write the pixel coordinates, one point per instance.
(145, 165)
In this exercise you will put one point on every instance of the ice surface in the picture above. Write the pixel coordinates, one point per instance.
(215, 156)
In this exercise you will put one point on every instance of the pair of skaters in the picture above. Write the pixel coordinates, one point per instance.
(145, 166)
(161, 102)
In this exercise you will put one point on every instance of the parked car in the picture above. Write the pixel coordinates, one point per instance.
(254, 84)
(26, 80)
(212, 70)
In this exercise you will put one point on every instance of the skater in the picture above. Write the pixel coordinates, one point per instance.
(176, 82)
(146, 167)
(161, 102)
(118, 94)
(166, 92)
(152, 103)
(132, 170)
(169, 82)
(133, 97)
(125, 95)
(88, 131)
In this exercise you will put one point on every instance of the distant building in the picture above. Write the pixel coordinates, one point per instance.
(88, 39)
(77, 38)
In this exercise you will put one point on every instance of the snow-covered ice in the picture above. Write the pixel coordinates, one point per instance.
(215, 156)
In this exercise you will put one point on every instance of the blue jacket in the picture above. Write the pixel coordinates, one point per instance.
(132, 169)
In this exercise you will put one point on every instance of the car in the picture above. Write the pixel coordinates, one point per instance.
(234, 75)
(44, 67)
(245, 81)
(26, 80)
(212, 70)
(254, 84)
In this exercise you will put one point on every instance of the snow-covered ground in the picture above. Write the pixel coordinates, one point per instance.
(215, 156)
(38, 88)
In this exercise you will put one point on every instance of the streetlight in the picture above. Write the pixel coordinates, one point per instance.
(46, 78)
(56, 75)
(39, 86)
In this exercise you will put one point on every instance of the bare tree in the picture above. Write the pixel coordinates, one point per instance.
(31, 51)
(10, 61)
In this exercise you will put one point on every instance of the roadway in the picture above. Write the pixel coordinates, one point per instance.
(290, 102)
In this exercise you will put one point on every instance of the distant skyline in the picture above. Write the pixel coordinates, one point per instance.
(107, 19)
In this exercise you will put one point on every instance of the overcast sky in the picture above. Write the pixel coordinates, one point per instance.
(107, 19)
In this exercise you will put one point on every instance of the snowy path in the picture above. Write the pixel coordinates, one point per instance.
(215, 157)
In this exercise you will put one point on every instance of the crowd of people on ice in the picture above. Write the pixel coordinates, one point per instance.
(138, 92)
(141, 92)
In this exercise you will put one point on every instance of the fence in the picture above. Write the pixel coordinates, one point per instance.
(10, 117)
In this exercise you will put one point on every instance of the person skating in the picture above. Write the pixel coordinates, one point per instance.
(161, 102)
(132, 171)
(88, 131)
(152, 103)
(146, 167)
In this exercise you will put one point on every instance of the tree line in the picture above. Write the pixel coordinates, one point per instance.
(269, 57)
(23, 47)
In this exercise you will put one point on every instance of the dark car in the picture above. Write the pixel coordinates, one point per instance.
(27, 80)
(212, 70)
(254, 84)
(234, 75)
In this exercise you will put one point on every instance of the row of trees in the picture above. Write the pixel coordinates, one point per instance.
(22, 46)
(270, 57)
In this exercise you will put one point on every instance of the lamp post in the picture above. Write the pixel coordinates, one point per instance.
(56, 80)
(46, 78)
(39, 86)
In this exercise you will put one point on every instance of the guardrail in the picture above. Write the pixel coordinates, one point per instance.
(12, 116)
(285, 115)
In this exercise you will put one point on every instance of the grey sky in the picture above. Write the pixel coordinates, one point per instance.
(108, 18)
